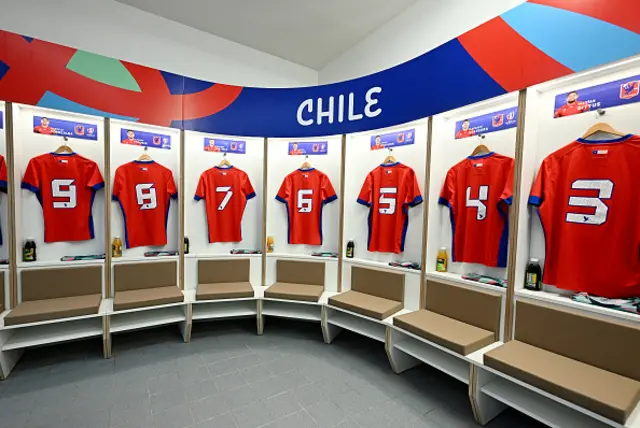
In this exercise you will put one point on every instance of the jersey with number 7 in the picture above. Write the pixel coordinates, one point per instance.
(389, 191)
(144, 189)
(588, 196)
(226, 192)
(305, 192)
(65, 185)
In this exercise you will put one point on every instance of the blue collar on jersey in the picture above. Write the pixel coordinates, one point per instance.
(306, 170)
(613, 141)
(389, 165)
(481, 156)
(223, 167)
(63, 154)
(144, 161)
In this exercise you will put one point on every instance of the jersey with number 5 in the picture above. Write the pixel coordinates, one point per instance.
(66, 185)
(389, 191)
(226, 192)
(305, 192)
(477, 191)
(589, 204)
(144, 190)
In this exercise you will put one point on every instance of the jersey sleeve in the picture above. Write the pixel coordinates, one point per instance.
(507, 193)
(328, 193)
(247, 187)
(95, 181)
(366, 193)
(414, 196)
(118, 185)
(31, 180)
(537, 191)
(285, 190)
(448, 194)
(201, 190)
(171, 186)
(3, 175)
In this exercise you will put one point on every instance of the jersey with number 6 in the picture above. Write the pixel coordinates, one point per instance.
(589, 204)
(226, 192)
(144, 189)
(305, 192)
(65, 185)
(389, 191)
(478, 191)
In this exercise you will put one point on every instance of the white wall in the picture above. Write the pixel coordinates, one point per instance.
(109, 28)
(422, 27)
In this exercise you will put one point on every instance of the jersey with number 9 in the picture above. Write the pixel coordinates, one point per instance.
(389, 190)
(144, 189)
(589, 204)
(305, 192)
(226, 192)
(65, 185)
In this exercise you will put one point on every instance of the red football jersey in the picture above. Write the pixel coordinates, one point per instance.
(389, 190)
(65, 185)
(587, 193)
(478, 191)
(305, 192)
(3, 181)
(42, 130)
(143, 189)
(226, 192)
(465, 134)
(571, 109)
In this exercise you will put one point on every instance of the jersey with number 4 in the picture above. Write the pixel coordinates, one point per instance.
(305, 192)
(65, 185)
(589, 205)
(226, 192)
(389, 191)
(478, 191)
(144, 190)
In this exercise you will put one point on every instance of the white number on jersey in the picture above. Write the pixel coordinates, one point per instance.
(69, 192)
(305, 205)
(483, 195)
(605, 190)
(227, 197)
(146, 195)
(390, 202)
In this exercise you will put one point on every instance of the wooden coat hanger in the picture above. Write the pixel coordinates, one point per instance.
(224, 163)
(480, 150)
(389, 159)
(144, 157)
(306, 164)
(602, 127)
(64, 148)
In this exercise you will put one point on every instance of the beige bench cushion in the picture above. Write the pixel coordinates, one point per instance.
(219, 291)
(366, 304)
(287, 291)
(50, 309)
(608, 394)
(456, 335)
(132, 299)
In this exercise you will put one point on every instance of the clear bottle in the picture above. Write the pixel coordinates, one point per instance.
(533, 277)
(442, 260)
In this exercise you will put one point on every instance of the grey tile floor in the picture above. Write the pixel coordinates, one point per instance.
(228, 377)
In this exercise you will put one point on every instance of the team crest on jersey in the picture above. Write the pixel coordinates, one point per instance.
(497, 120)
(157, 141)
(630, 90)
(79, 130)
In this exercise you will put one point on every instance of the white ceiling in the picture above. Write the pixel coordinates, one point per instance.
(307, 32)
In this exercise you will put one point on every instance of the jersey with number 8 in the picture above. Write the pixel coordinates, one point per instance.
(226, 192)
(389, 190)
(305, 192)
(144, 189)
(65, 185)
(589, 204)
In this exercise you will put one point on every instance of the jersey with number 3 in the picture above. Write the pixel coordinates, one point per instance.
(389, 191)
(144, 190)
(65, 185)
(226, 192)
(305, 192)
(589, 204)
(478, 191)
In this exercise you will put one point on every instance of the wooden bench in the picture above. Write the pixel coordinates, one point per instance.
(145, 284)
(224, 279)
(297, 280)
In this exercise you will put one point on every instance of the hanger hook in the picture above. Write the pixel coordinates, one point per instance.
(481, 136)
(224, 155)
(65, 138)
(600, 112)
